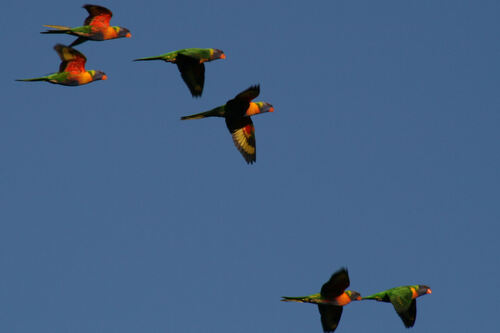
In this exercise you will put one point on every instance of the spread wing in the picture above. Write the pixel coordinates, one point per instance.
(240, 104)
(98, 16)
(71, 59)
(334, 287)
(192, 72)
(405, 306)
(243, 133)
(330, 316)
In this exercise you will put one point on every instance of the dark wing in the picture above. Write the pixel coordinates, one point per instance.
(239, 105)
(72, 60)
(192, 72)
(243, 133)
(336, 285)
(330, 316)
(98, 16)
(405, 305)
(78, 41)
(248, 94)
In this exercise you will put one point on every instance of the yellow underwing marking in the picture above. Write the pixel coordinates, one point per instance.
(240, 138)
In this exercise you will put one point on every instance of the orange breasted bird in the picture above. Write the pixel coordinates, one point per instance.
(190, 65)
(95, 27)
(237, 112)
(404, 300)
(331, 299)
(71, 70)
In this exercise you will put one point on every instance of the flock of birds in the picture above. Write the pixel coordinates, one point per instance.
(190, 63)
(333, 296)
(237, 111)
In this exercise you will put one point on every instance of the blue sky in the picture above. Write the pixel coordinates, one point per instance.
(382, 155)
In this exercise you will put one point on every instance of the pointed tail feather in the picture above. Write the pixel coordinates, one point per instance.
(292, 299)
(150, 58)
(372, 297)
(61, 29)
(43, 78)
(217, 112)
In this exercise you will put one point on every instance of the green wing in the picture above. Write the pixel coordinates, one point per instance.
(330, 316)
(404, 304)
(334, 287)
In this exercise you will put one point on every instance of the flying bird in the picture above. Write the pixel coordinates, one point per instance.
(190, 65)
(331, 299)
(404, 301)
(71, 70)
(237, 112)
(95, 27)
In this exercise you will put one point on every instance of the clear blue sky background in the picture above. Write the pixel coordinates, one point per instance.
(382, 155)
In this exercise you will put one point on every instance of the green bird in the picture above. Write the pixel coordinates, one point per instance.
(331, 299)
(95, 27)
(237, 112)
(72, 70)
(404, 300)
(190, 65)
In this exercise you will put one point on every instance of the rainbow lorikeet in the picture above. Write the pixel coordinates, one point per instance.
(404, 300)
(331, 299)
(190, 65)
(95, 27)
(237, 112)
(71, 70)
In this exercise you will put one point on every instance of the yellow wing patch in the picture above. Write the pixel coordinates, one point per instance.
(244, 140)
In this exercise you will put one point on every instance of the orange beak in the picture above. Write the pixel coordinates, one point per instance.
(128, 35)
(271, 109)
(104, 77)
(429, 291)
(223, 56)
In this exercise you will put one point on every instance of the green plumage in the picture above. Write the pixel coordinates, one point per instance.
(78, 31)
(190, 64)
(56, 78)
(403, 299)
(196, 53)
(330, 300)
(219, 111)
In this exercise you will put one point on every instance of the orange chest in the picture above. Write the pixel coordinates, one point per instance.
(105, 32)
(81, 78)
(343, 299)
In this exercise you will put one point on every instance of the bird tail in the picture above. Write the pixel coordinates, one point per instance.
(43, 78)
(217, 112)
(374, 297)
(60, 29)
(292, 299)
(150, 58)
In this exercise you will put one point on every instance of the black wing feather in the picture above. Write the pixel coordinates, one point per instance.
(192, 72)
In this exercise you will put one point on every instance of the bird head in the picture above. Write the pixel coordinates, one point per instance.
(259, 107)
(124, 32)
(353, 295)
(423, 290)
(217, 54)
(98, 75)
